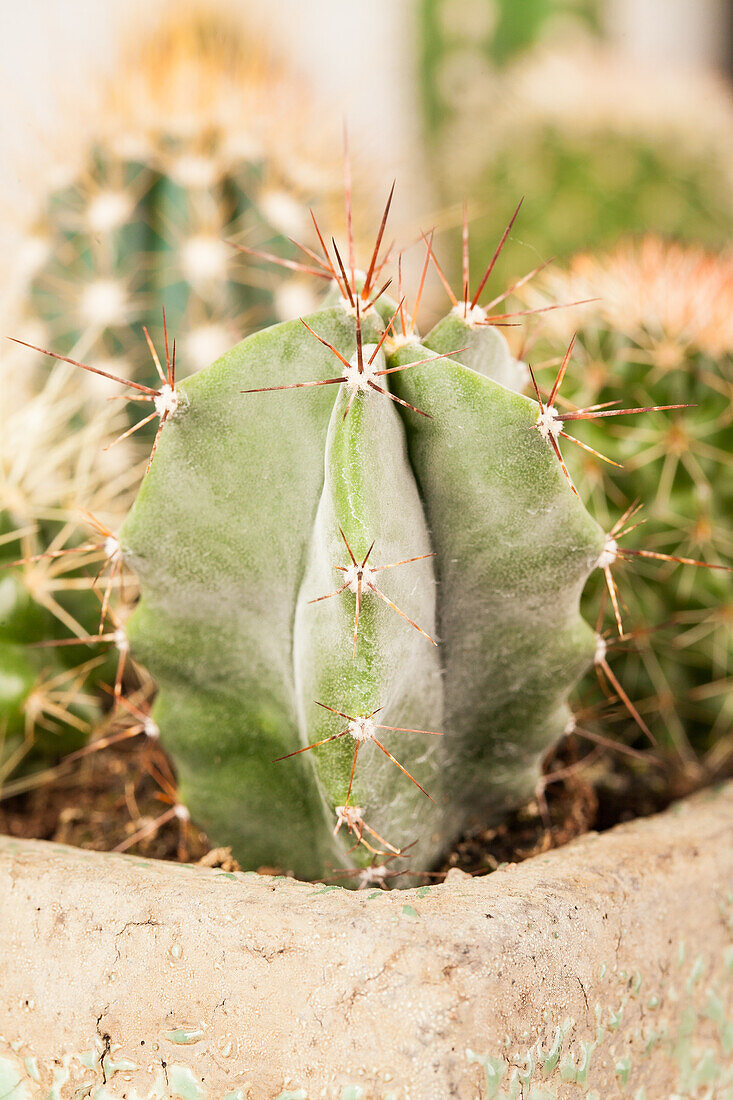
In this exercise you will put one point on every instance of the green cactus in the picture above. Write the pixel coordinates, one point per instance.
(359, 596)
(659, 331)
(244, 658)
(361, 558)
(49, 467)
(598, 147)
(196, 145)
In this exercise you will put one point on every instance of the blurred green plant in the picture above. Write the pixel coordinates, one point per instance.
(463, 41)
(599, 147)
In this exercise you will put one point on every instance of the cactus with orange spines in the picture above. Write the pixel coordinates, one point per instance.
(659, 328)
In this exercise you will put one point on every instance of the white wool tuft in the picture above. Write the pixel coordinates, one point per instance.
(548, 422)
(362, 729)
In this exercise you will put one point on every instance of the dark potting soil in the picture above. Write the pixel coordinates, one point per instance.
(108, 798)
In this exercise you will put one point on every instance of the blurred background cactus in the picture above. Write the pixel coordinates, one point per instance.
(464, 42)
(51, 465)
(661, 330)
(199, 141)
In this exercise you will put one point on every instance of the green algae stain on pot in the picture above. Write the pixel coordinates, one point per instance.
(185, 1035)
(184, 1084)
(697, 1046)
(549, 1062)
(495, 1069)
(623, 1069)
(11, 1081)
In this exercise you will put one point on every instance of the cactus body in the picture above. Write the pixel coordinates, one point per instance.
(236, 531)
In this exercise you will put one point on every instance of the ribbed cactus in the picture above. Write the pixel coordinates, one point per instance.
(197, 143)
(660, 331)
(361, 559)
(597, 146)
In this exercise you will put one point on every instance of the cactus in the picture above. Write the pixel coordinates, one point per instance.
(49, 467)
(198, 141)
(660, 330)
(598, 148)
(360, 591)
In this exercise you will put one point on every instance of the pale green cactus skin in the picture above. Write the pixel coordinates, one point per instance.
(236, 529)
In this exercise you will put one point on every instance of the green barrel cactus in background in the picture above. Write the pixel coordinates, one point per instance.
(199, 142)
(660, 331)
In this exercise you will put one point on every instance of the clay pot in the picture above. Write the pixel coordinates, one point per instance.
(602, 969)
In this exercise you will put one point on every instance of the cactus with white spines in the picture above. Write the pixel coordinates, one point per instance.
(361, 558)
(197, 144)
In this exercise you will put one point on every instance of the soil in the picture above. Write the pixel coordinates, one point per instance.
(116, 797)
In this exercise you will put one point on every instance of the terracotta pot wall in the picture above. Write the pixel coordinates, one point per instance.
(603, 969)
